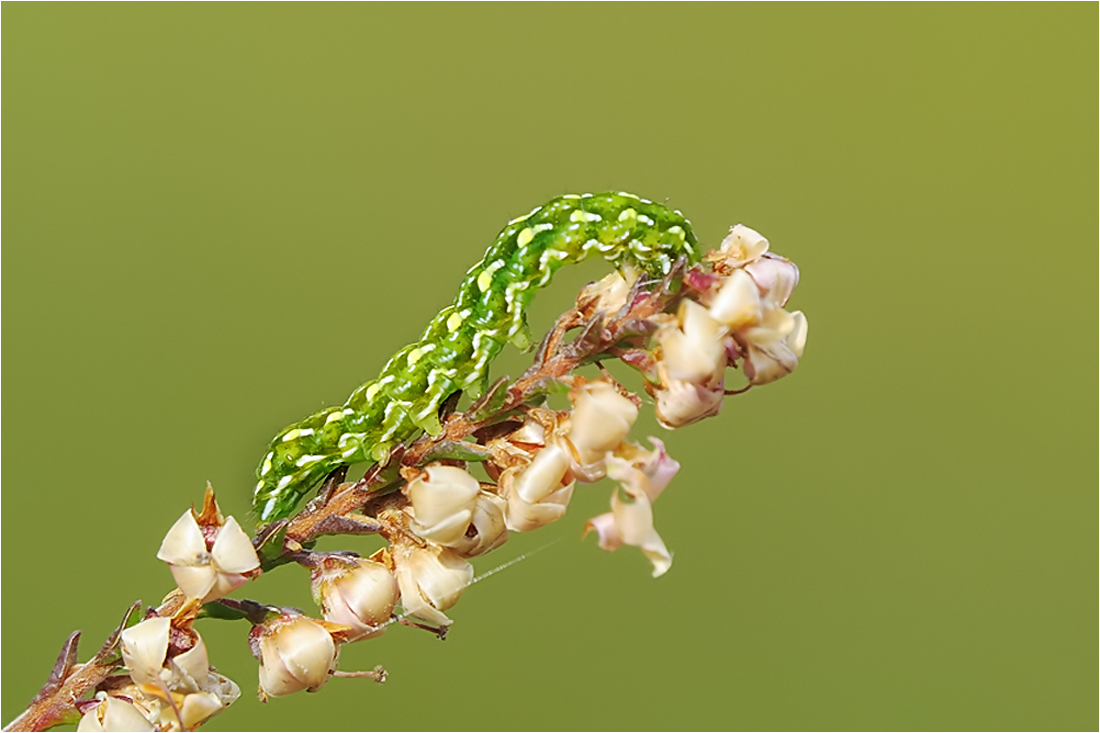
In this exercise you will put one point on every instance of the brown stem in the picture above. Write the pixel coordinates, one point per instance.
(69, 682)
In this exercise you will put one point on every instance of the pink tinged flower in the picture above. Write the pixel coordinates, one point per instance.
(601, 419)
(776, 277)
(209, 565)
(431, 580)
(743, 245)
(692, 365)
(681, 403)
(631, 522)
(112, 714)
(296, 653)
(538, 493)
(443, 499)
(657, 467)
(774, 347)
(355, 592)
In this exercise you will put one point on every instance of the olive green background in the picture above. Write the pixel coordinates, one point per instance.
(220, 217)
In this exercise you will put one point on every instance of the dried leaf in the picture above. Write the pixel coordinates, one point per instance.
(455, 450)
(493, 399)
(61, 668)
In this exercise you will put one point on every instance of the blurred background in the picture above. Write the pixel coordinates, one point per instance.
(219, 218)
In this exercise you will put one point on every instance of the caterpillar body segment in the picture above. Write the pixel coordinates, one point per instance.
(456, 349)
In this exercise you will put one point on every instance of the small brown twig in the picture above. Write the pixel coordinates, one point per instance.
(55, 703)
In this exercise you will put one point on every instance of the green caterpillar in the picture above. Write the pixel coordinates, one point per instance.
(455, 351)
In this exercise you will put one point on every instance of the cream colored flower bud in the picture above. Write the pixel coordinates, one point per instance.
(144, 647)
(360, 594)
(209, 570)
(537, 494)
(611, 292)
(776, 277)
(431, 581)
(488, 529)
(523, 516)
(681, 403)
(296, 653)
(443, 500)
(112, 714)
(737, 303)
(695, 351)
(544, 476)
(775, 347)
(743, 244)
(601, 419)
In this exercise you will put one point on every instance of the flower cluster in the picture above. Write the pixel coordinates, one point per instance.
(682, 334)
(739, 316)
(171, 684)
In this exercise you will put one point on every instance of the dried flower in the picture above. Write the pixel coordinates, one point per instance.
(642, 478)
(657, 467)
(694, 351)
(776, 277)
(355, 592)
(488, 529)
(750, 302)
(682, 403)
(113, 714)
(609, 294)
(518, 448)
(743, 245)
(195, 691)
(431, 579)
(443, 500)
(144, 648)
(601, 419)
(174, 710)
(296, 653)
(539, 493)
(774, 347)
(209, 556)
(199, 707)
(737, 302)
